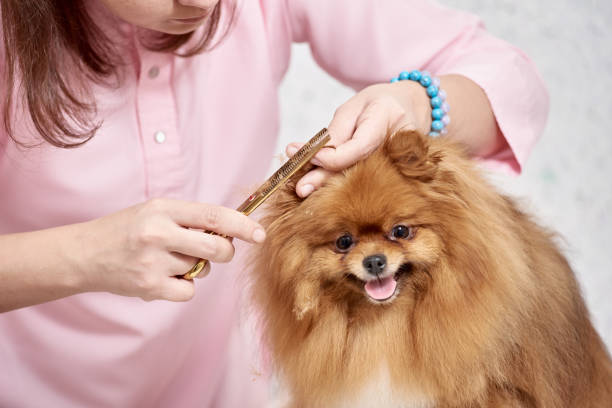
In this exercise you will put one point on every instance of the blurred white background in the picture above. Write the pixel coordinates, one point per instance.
(567, 182)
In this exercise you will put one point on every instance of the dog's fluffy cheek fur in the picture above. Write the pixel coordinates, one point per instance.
(306, 297)
(425, 248)
(308, 286)
(325, 268)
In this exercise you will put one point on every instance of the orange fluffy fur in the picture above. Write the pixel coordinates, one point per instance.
(487, 314)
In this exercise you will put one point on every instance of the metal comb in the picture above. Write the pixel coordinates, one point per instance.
(299, 159)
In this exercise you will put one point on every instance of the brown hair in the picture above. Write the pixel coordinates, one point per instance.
(40, 36)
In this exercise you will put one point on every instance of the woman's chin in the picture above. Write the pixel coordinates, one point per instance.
(177, 27)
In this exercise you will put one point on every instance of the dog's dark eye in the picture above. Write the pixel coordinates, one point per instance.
(401, 231)
(344, 242)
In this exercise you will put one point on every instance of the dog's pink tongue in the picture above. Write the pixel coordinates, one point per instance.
(381, 289)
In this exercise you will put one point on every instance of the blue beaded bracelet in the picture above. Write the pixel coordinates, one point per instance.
(439, 107)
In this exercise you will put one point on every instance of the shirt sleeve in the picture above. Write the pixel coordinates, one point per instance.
(361, 42)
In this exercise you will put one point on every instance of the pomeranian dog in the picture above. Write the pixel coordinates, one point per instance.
(408, 281)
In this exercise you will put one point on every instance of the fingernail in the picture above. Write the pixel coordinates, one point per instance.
(291, 150)
(259, 235)
(316, 162)
(306, 189)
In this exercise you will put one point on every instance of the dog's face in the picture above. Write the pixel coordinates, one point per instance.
(369, 237)
(369, 233)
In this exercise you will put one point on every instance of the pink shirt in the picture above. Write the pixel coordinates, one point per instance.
(204, 128)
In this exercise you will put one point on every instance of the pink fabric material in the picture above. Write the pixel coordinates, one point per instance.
(219, 113)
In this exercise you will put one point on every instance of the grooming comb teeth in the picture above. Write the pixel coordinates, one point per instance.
(297, 161)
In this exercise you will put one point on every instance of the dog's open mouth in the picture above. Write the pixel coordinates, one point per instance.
(385, 288)
(381, 289)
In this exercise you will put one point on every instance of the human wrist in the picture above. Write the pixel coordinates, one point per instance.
(419, 102)
(438, 106)
(74, 252)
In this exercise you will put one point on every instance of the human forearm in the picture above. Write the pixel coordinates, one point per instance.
(456, 45)
(473, 123)
(37, 267)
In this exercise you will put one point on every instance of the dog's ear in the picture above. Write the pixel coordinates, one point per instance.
(410, 152)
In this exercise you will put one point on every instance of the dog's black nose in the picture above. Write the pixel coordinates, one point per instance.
(375, 264)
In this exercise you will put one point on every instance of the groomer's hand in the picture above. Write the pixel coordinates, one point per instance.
(141, 250)
(362, 123)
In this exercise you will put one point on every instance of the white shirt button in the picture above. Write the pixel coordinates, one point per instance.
(153, 72)
(159, 136)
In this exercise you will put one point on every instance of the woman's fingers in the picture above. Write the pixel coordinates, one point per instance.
(176, 290)
(201, 245)
(357, 129)
(312, 181)
(222, 220)
(205, 271)
(374, 122)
